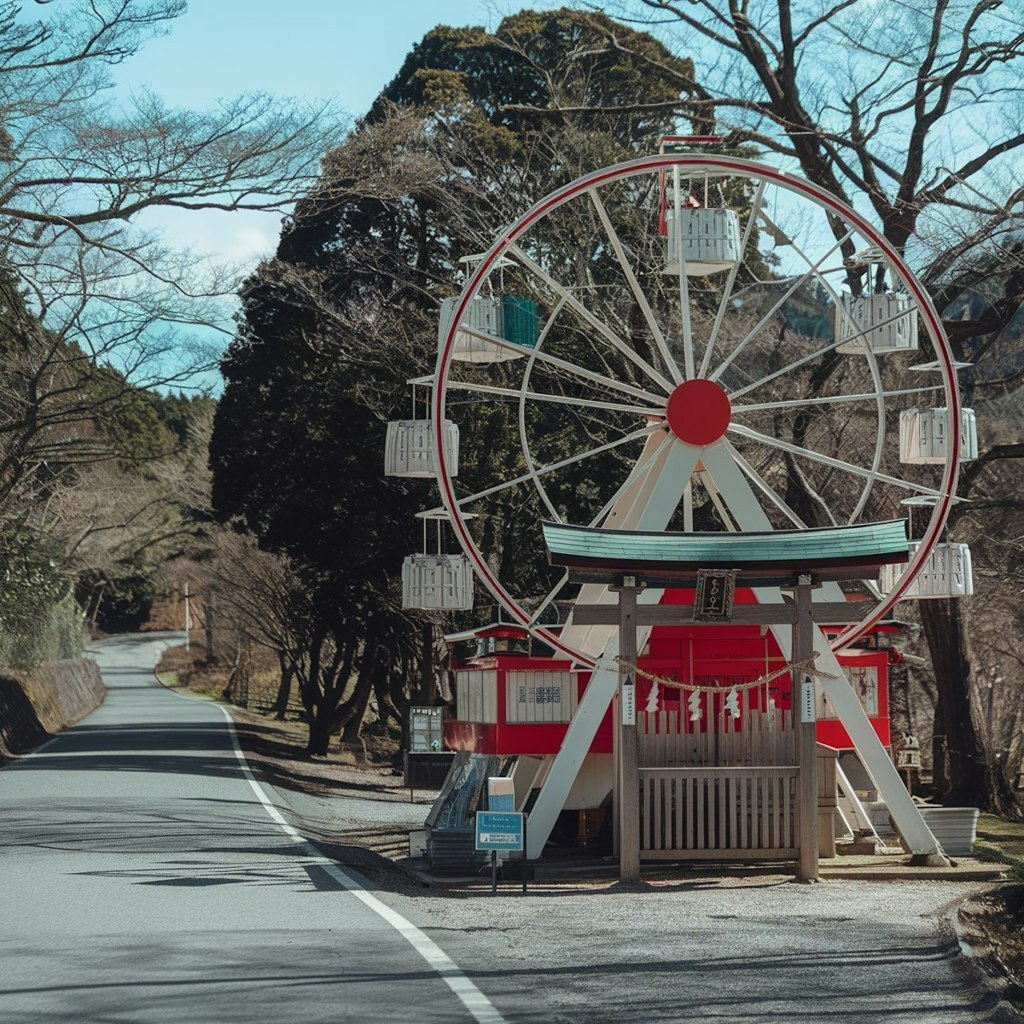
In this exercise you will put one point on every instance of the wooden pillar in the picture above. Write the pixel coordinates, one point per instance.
(616, 779)
(628, 753)
(804, 708)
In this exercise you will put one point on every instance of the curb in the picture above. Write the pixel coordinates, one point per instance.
(912, 875)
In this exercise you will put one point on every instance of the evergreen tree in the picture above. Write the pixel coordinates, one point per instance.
(347, 312)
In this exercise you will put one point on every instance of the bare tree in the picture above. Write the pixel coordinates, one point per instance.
(913, 113)
(93, 308)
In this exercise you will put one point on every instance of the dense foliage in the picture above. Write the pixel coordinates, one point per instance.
(347, 313)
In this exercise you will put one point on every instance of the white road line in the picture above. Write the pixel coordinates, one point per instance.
(479, 1006)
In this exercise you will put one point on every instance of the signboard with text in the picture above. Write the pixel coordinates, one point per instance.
(628, 703)
(499, 830)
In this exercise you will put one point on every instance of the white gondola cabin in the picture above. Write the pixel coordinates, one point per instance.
(710, 240)
(437, 582)
(483, 315)
(946, 573)
(511, 318)
(924, 436)
(879, 323)
(409, 448)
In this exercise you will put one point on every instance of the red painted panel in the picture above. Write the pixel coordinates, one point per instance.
(715, 655)
(475, 737)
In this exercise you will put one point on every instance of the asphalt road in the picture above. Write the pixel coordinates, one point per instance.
(141, 879)
(144, 878)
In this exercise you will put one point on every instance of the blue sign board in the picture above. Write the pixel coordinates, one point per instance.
(499, 830)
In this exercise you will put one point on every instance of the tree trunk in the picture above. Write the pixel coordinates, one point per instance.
(229, 686)
(427, 691)
(319, 734)
(313, 699)
(385, 704)
(943, 629)
(356, 705)
(284, 687)
(940, 773)
(354, 725)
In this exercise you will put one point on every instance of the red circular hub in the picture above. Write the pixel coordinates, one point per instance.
(698, 412)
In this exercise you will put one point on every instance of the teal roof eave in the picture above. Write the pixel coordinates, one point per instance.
(861, 544)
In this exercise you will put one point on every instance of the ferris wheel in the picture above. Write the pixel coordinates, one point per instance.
(695, 342)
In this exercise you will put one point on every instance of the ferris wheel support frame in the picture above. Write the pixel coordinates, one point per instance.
(597, 655)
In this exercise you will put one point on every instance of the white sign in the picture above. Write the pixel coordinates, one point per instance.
(540, 696)
(807, 699)
(500, 840)
(628, 704)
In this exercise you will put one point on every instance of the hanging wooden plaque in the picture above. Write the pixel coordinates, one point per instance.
(716, 589)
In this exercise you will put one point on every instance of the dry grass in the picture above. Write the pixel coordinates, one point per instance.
(1007, 835)
(189, 670)
(279, 747)
(276, 750)
(995, 920)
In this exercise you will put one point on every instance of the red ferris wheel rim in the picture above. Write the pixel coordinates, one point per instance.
(739, 166)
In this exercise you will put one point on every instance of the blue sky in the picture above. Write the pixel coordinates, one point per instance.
(342, 50)
(345, 51)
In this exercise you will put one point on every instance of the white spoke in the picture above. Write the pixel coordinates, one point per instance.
(746, 509)
(827, 460)
(767, 490)
(684, 284)
(634, 287)
(583, 403)
(663, 470)
(800, 403)
(739, 498)
(552, 594)
(716, 500)
(688, 508)
(817, 354)
(763, 322)
(563, 364)
(552, 467)
(638, 471)
(662, 489)
(723, 305)
(602, 328)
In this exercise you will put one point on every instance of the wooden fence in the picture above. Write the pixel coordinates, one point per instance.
(755, 737)
(718, 813)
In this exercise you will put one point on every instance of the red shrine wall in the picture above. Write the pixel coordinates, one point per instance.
(522, 705)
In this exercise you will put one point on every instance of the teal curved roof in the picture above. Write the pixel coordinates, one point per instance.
(867, 545)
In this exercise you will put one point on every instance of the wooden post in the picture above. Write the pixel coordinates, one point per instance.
(616, 781)
(209, 613)
(804, 706)
(188, 620)
(629, 779)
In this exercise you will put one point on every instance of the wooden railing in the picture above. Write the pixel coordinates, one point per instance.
(669, 739)
(718, 813)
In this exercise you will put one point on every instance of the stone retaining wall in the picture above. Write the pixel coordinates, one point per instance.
(35, 704)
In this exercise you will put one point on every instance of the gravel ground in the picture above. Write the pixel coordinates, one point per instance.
(690, 948)
(723, 950)
(693, 948)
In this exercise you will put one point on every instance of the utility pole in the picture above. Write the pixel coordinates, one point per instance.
(208, 617)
